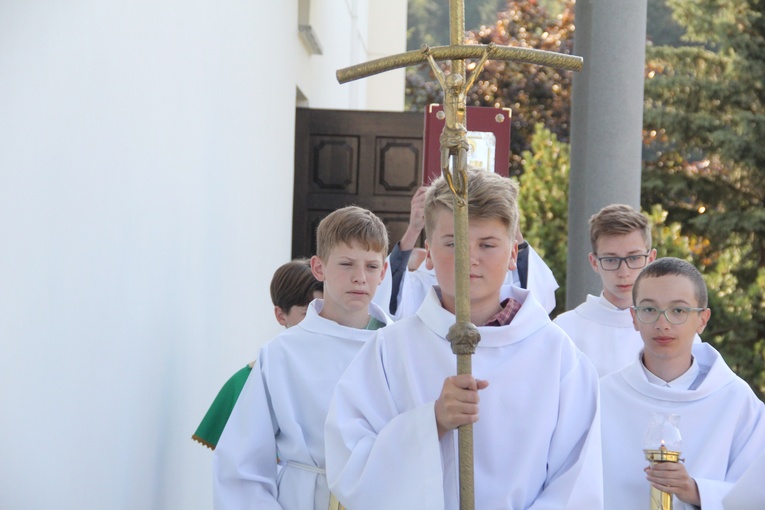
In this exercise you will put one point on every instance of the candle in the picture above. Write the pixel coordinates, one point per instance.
(662, 430)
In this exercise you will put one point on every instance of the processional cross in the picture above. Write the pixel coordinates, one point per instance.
(463, 335)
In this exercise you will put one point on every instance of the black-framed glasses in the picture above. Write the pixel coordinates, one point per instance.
(632, 261)
(676, 315)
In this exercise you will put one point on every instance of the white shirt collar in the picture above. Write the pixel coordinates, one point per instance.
(683, 382)
(608, 304)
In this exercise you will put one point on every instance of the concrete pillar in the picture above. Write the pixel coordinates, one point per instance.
(606, 124)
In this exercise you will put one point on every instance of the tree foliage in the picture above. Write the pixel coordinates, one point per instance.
(544, 203)
(705, 161)
(428, 20)
(534, 93)
(661, 29)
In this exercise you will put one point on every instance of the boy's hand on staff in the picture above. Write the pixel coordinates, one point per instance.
(672, 477)
(458, 403)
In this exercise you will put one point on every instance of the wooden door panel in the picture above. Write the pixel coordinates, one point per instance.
(370, 159)
(333, 164)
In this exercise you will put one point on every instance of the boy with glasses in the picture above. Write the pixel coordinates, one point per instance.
(722, 423)
(602, 326)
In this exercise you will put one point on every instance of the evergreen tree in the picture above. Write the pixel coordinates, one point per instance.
(704, 163)
(704, 127)
(544, 216)
(661, 29)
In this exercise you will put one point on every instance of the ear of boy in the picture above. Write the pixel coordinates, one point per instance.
(281, 317)
(317, 268)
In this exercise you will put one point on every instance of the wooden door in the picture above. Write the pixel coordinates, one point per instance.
(369, 159)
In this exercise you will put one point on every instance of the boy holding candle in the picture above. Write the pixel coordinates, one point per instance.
(722, 423)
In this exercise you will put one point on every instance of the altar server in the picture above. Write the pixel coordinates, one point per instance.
(722, 423)
(281, 411)
(602, 326)
(404, 287)
(391, 437)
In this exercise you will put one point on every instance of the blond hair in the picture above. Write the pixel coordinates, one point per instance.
(617, 220)
(351, 225)
(490, 196)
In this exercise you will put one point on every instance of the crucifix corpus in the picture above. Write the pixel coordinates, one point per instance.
(463, 335)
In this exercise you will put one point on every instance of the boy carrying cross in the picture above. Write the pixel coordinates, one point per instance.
(391, 437)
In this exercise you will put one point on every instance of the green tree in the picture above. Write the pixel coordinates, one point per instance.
(428, 20)
(544, 218)
(704, 163)
(544, 203)
(534, 93)
(661, 29)
(704, 126)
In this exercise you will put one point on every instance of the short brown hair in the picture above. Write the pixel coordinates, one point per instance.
(490, 196)
(350, 225)
(293, 284)
(674, 267)
(616, 220)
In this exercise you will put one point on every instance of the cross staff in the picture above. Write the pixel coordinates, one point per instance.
(463, 335)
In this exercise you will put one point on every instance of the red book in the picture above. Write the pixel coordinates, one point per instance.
(488, 136)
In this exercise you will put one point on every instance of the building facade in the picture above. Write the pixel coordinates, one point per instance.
(146, 174)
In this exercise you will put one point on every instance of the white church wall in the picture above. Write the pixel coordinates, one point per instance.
(386, 91)
(375, 29)
(146, 157)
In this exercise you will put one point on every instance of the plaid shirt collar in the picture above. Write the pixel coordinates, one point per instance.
(510, 308)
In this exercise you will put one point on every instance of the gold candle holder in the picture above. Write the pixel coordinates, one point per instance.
(660, 500)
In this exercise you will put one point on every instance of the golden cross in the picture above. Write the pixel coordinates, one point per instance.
(463, 335)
